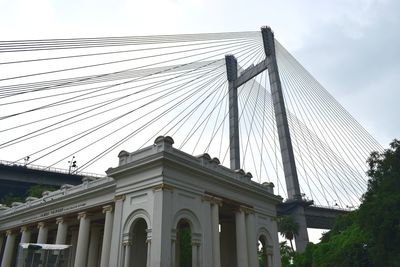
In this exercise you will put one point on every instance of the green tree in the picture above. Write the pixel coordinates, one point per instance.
(379, 214)
(37, 190)
(370, 235)
(287, 254)
(305, 259)
(288, 228)
(261, 254)
(185, 247)
(33, 191)
(9, 198)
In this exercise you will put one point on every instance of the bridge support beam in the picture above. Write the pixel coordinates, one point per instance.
(234, 149)
(285, 142)
(289, 164)
(301, 239)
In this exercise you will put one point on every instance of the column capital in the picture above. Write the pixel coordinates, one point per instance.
(162, 187)
(196, 238)
(149, 235)
(119, 198)
(41, 225)
(9, 232)
(127, 243)
(207, 198)
(212, 199)
(60, 220)
(82, 215)
(246, 209)
(196, 243)
(24, 229)
(173, 235)
(108, 208)
(216, 201)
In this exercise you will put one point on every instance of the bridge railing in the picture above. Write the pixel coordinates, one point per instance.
(334, 207)
(49, 169)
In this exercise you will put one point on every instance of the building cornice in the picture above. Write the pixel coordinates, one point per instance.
(56, 205)
(203, 166)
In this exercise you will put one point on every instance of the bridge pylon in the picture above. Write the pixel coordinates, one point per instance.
(288, 160)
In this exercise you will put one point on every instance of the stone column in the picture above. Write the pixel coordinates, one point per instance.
(161, 225)
(195, 253)
(148, 241)
(42, 239)
(108, 226)
(275, 250)
(127, 252)
(206, 221)
(62, 228)
(83, 240)
(9, 249)
(173, 248)
(269, 257)
(116, 251)
(215, 232)
(94, 243)
(25, 234)
(251, 239)
(241, 238)
(43, 232)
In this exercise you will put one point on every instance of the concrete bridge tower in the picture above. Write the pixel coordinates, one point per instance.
(288, 160)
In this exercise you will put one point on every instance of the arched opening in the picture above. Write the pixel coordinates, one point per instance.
(264, 251)
(183, 244)
(138, 250)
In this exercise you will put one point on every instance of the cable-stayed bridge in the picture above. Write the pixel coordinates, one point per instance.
(89, 98)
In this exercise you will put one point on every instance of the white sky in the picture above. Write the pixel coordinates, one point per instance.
(350, 46)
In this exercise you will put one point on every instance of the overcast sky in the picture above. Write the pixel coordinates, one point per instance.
(350, 46)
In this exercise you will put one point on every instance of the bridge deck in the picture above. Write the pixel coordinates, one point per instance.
(316, 216)
(15, 179)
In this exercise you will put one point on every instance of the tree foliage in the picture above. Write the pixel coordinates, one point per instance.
(33, 191)
(379, 214)
(370, 235)
(37, 190)
(288, 228)
(185, 247)
(9, 198)
(287, 254)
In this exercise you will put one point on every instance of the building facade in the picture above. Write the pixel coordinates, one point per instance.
(158, 207)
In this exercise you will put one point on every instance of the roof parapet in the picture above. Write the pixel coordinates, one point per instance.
(123, 157)
(269, 186)
(15, 204)
(163, 143)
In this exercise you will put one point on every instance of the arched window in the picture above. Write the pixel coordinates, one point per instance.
(262, 252)
(265, 252)
(183, 244)
(138, 251)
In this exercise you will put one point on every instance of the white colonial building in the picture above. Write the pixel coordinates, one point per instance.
(138, 214)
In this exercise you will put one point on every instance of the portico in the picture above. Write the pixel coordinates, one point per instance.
(156, 203)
